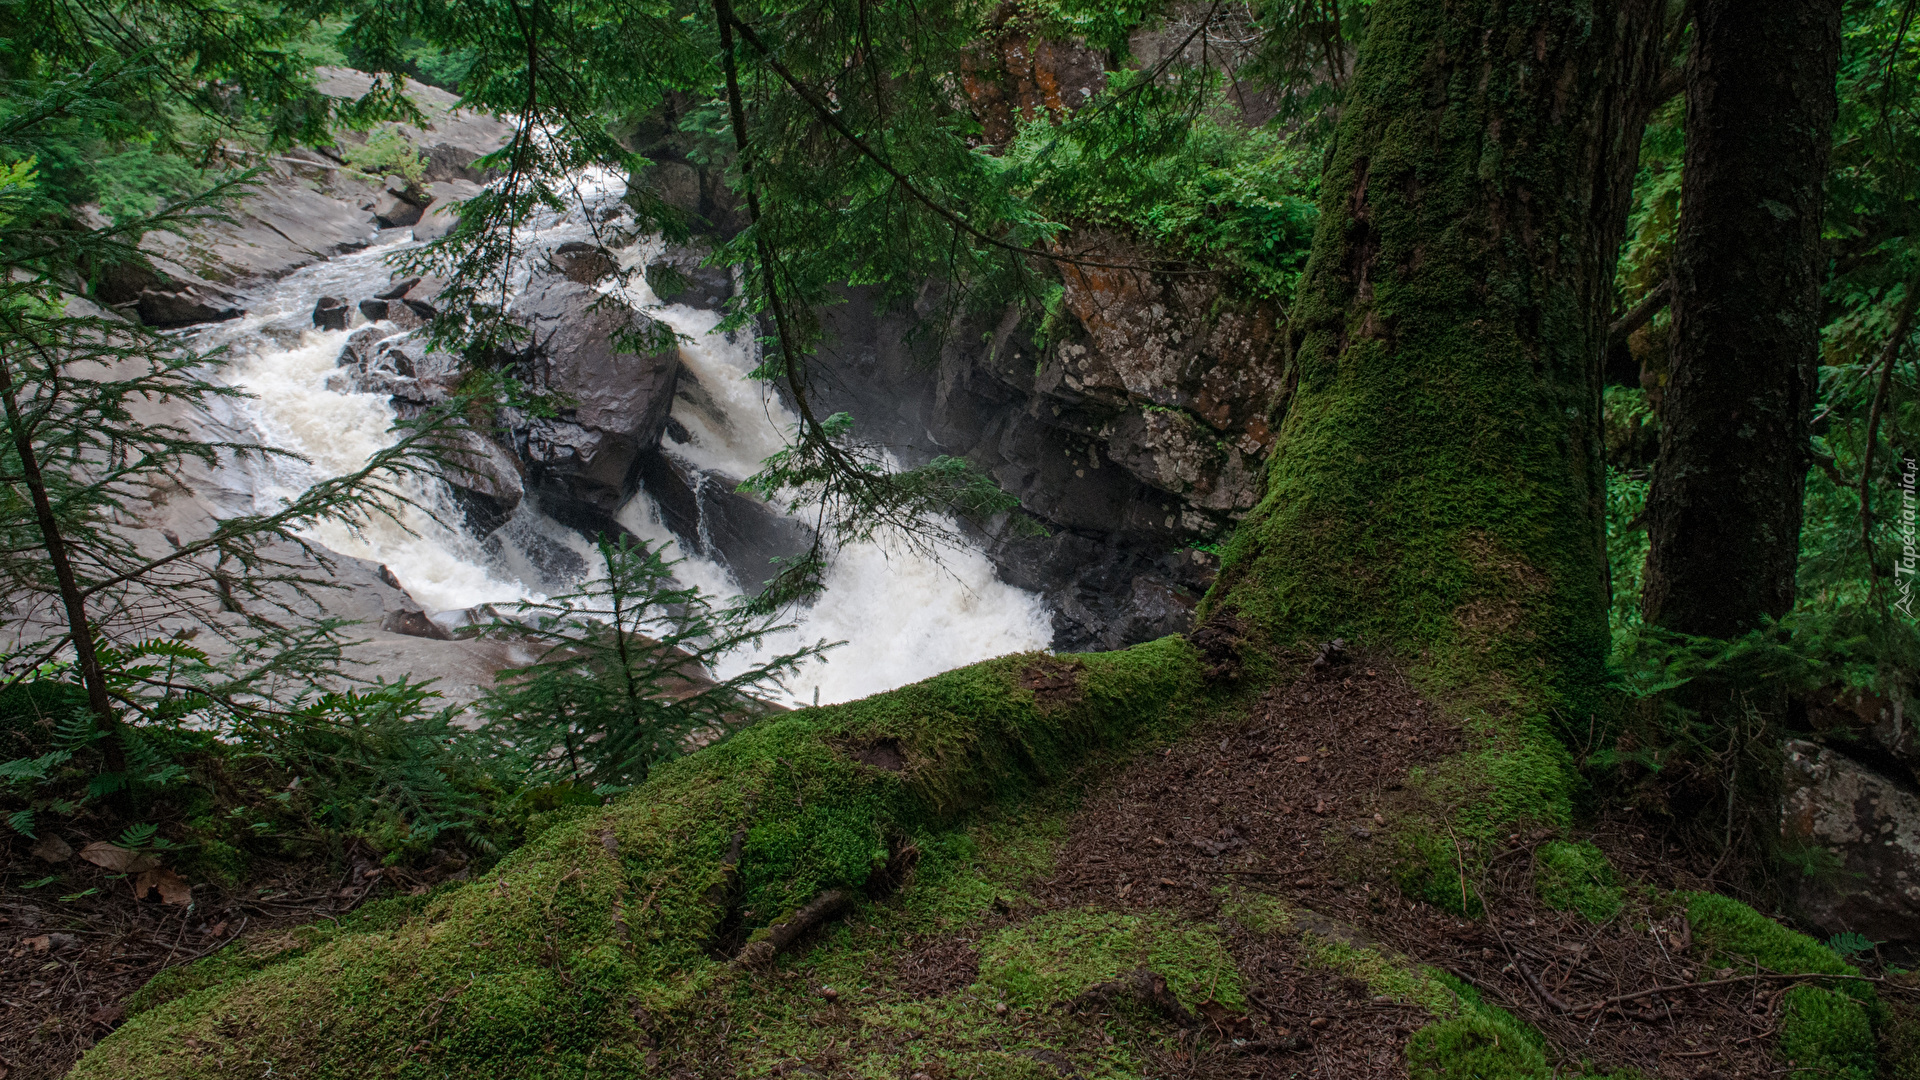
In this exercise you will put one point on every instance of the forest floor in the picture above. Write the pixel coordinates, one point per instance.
(1280, 801)
(74, 950)
(1285, 801)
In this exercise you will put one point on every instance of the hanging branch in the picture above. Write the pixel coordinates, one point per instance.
(728, 22)
(1902, 323)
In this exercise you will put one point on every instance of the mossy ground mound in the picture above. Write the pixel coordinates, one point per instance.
(1068, 886)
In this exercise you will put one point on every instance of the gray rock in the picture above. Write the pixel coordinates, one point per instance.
(392, 211)
(441, 215)
(1871, 828)
(330, 313)
(374, 310)
(1869, 726)
(164, 293)
(713, 520)
(616, 402)
(298, 216)
(1169, 449)
(678, 276)
(485, 480)
(452, 140)
(583, 263)
(414, 622)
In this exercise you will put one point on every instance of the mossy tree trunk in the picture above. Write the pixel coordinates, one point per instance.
(1438, 484)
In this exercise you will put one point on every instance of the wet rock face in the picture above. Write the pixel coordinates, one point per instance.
(485, 478)
(713, 520)
(613, 403)
(1871, 827)
(1142, 436)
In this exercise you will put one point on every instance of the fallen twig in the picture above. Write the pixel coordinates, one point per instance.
(1540, 991)
(1589, 1010)
(783, 934)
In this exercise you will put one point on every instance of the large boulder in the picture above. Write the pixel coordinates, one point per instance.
(612, 402)
(1869, 726)
(163, 293)
(305, 210)
(451, 140)
(712, 519)
(441, 214)
(679, 275)
(1869, 828)
(483, 476)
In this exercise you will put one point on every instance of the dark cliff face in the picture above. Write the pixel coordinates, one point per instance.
(1127, 446)
(1101, 445)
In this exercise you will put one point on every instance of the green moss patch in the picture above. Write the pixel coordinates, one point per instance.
(1060, 955)
(1826, 1030)
(1577, 877)
(589, 946)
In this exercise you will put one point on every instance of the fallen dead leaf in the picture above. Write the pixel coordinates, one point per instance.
(171, 887)
(116, 858)
(1302, 760)
(51, 848)
(39, 944)
(107, 1015)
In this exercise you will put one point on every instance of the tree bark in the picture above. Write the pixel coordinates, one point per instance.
(1439, 483)
(1724, 510)
(79, 627)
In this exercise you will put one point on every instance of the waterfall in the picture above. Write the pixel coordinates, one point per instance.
(903, 614)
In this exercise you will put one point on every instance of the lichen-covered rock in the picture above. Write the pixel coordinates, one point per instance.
(1172, 341)
(1871, 826)
(1176, 453)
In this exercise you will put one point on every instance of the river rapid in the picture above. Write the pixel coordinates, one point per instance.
(903, 613)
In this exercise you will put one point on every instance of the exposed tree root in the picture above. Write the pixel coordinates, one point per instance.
(780, 936)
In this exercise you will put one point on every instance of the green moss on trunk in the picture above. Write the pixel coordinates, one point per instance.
(1437, 489)
(1438, 484)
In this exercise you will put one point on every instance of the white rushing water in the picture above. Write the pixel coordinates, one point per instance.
(902, 614)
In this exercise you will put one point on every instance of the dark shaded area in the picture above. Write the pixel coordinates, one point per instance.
(1725, 508)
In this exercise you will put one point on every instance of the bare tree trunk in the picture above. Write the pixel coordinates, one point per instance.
(78, 626)
(1724, 512)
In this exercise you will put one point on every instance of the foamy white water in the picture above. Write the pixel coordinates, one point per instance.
(903, 615)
